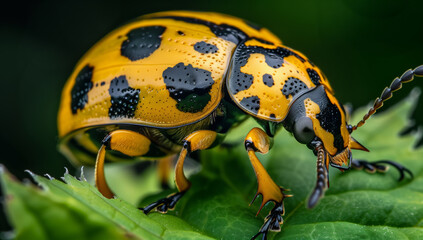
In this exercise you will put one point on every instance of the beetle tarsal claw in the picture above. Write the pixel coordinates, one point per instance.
(164, 204)
(272, 222)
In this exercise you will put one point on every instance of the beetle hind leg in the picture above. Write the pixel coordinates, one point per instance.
(125, 141)
(381, 166)
(100, 178)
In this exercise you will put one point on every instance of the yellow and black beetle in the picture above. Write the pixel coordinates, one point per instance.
(177, 81)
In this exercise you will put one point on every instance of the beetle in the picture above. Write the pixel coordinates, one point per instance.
(176, 82)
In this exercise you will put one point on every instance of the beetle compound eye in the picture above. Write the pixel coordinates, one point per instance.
(303, 130)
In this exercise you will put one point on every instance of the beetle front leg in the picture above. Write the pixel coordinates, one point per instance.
(258, 141)
(380, 166)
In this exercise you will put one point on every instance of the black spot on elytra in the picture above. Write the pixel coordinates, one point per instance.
(314, 76)
(240, 81)
(273, 58)
(293, 86)
(124, 99)
(189, 86)
(273, 116)
(330, 120)
(268, 80)
(251, 103)
(79, 92)
(142, 42)
(203, 47)
(102, 83)
(181, 33)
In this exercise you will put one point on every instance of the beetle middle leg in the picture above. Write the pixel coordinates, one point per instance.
(258, 141)
(198, 140)
(380, 166)
(164, 166)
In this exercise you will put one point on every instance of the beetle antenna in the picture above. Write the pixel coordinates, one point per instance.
(396, 84)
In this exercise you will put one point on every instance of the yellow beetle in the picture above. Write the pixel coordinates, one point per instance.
(177, 81)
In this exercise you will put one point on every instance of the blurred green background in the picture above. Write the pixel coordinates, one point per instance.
(360, 45)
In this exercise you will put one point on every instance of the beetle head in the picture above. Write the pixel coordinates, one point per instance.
(317, 119)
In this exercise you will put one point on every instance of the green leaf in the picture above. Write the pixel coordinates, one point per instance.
(43, 215)
(357, 205)
(76, 210)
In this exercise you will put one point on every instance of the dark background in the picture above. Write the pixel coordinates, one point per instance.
(360, 45)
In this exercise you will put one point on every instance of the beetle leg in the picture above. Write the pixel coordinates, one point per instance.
(272, 222)
(198, 140)
(125, 141)
(258, 141)
(164, 166)
(380, 166)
